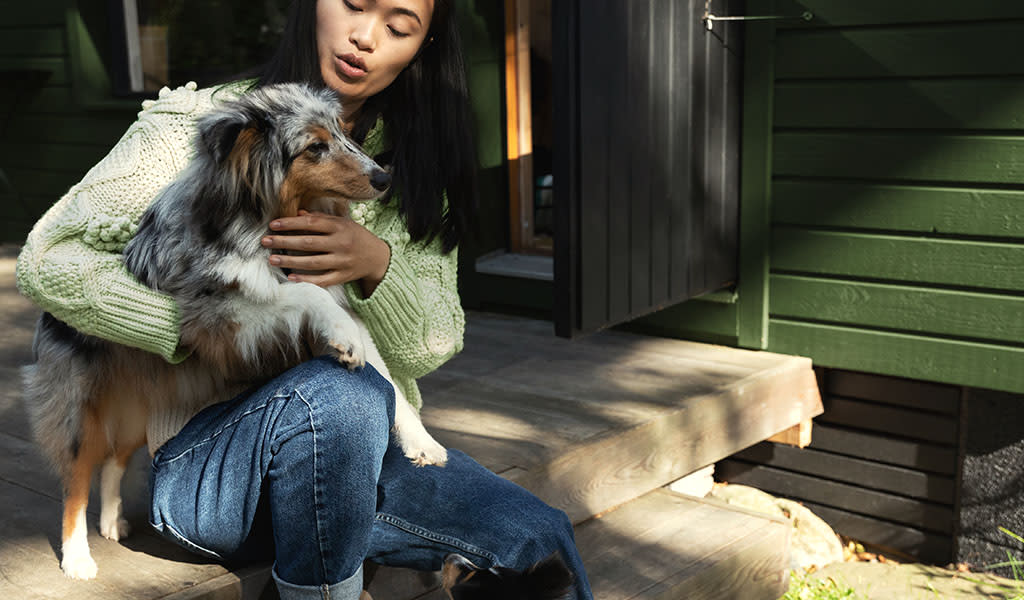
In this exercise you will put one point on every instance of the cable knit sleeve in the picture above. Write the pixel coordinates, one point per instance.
(71, 263)
(415, 315)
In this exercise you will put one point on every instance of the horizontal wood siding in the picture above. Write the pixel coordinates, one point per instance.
(48, 140)
(881, 466)
(897, 194)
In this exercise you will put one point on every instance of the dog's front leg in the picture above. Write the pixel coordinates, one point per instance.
(329, 322)
(416, 442)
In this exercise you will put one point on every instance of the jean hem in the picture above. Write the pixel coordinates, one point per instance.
(347, 589)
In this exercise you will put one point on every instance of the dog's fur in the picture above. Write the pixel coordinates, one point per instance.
(268, 154)
(548, 579)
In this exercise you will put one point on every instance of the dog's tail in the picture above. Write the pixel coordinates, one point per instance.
(57, 388)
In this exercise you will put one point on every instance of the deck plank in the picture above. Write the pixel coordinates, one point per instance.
(666, 545)
(140, 567)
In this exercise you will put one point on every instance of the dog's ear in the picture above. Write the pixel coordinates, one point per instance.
(455, 569)
(549, 579)
(219, 132)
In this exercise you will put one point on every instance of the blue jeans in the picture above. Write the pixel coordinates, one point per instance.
(303, 471)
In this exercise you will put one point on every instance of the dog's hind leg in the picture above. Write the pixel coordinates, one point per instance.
(76, 562)
(113, 525)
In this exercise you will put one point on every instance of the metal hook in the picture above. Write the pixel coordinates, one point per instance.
(709, 18)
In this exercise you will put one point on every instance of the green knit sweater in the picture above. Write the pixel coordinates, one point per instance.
(71, 263)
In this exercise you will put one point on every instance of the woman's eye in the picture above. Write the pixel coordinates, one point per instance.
(351, 6)
(397, 33)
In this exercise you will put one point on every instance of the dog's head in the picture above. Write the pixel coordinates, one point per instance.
(548, 579)
(280, 148)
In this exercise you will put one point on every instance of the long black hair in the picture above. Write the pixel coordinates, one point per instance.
(427, 115)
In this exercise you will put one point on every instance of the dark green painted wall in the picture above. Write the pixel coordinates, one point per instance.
(884, 188)
(52, 130)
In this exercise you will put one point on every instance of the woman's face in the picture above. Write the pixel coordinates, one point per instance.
(364, 44)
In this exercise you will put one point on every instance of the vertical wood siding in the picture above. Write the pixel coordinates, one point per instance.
(658, 113)
(897, 195)
(47, 140)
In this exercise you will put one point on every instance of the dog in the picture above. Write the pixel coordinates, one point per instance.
(548, 579)
(270, 153)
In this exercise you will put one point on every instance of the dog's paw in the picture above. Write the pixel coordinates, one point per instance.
(115, 529)
(346, 340)
(77, 565)
(350, 355)
(432, 454)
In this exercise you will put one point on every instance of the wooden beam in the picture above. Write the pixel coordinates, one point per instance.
(798, 435)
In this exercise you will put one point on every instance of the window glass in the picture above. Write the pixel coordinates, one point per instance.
(170, 42)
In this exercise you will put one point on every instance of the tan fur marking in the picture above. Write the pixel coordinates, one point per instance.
(91, 452)
(309, 179)
(241, 157)
(215, 345)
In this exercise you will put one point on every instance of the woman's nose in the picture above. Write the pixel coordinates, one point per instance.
(362, 36)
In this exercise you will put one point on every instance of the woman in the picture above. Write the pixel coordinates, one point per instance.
(302, 470)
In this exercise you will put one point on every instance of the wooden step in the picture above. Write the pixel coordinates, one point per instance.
(587, 425)
(592, 423)
(662, 546)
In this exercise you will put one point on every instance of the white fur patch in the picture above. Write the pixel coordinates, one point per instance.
(257, 280)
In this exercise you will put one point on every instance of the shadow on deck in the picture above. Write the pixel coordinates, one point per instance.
(594, 426)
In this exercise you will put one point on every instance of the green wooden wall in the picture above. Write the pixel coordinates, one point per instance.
(54, 121)
(884, 188)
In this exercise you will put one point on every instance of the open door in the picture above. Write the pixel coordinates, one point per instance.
(646, 172)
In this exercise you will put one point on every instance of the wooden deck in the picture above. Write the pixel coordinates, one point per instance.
(590, 426)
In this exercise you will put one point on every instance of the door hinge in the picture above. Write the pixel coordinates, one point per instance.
(709, 18)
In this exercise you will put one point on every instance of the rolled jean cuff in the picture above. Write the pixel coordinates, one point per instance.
(348, 589)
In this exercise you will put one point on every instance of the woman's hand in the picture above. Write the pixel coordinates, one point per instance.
(338, 250)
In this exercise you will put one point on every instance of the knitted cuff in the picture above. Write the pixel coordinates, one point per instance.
(137, 316)
(393, 311)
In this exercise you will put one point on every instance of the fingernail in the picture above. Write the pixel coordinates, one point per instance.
(267, 241)
(275, 224)
(275, 260)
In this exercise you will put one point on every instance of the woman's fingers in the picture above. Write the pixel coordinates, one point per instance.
(323, 280)
(307, 221)
(305, 243)
(312, 262)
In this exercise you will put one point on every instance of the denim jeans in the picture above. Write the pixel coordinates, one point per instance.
(303, 471)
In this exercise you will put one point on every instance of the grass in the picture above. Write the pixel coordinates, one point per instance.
(804, 587)
(1016, 567)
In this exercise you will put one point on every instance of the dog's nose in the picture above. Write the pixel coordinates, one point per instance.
(380, 180)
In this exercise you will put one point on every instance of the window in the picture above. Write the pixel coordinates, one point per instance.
(171, 42)
(528, 56)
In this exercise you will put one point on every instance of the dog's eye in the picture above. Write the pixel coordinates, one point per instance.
(317, 149)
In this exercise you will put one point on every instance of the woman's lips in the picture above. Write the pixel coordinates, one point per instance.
(351, 66)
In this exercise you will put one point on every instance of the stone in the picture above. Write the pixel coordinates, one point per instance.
(812, 544)
(698, 484)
